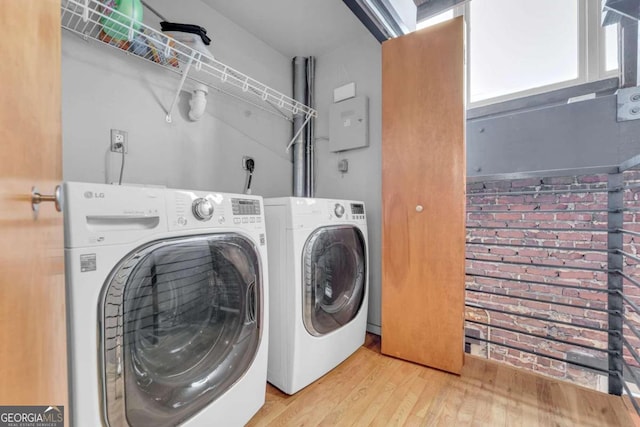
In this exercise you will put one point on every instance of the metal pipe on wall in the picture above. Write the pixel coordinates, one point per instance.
(311, 134)
(299, 145)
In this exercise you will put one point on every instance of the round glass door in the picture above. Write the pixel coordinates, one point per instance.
(334, 274)
(181, 325)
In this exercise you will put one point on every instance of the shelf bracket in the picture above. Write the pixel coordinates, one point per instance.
(185, 72)
(85, 11)
(298, 133)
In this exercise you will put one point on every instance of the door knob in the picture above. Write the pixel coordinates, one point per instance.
(419, 208)
(37, 198)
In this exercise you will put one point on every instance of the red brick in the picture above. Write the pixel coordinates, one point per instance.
(510, 216)
(576, 274)
(594, 256)
(502, 251)
(516, 234)
(509, 200)
(534, 305)
(566, 255)
(541, 198)
(545, 236)
(480, 216)
(522, 207)
(593, 296)
(545, 290)
(539, 216)
(593, 335)
(545, 272)
(554, 207)
(559, 180)
(572, 216)
(574, 236)
(575, 198)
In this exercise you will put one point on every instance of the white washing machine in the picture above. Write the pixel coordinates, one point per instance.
(318, 287)
(167, 308)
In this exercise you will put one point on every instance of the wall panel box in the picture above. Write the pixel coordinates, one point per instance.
(344, 92)
(349, 124)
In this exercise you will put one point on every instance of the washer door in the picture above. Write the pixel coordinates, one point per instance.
(334, 273)
(181, 324)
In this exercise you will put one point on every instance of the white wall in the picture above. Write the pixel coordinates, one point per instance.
(103, 88)
(357, 60)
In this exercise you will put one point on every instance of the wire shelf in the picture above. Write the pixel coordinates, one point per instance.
(96, 21)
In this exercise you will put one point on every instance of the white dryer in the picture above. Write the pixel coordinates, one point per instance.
(167, 309)
(318, 287)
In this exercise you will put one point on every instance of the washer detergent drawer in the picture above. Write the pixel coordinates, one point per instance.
(181, 323)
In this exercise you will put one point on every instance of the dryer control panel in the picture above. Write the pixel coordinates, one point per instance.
(304, 212)
(357, 210)
(345, 210)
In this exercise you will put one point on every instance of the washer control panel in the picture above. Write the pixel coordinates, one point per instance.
(245, 206)
(202, 209)
(196, 209)
(246, 211)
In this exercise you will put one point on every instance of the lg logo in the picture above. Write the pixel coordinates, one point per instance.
(92, 195)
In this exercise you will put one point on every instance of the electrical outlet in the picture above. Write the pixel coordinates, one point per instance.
(246, 160)
(119, 139)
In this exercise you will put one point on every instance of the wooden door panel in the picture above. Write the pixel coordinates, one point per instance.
(32, 297)
(423, 165)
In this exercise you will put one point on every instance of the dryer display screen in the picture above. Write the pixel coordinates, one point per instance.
(357, 209)
(245, 206)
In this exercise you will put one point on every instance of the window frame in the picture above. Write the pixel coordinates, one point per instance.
(591, 54)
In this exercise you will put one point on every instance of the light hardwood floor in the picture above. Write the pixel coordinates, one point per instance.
(370, 389)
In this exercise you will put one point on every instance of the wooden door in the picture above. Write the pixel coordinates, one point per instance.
(423, 193)
(33, 368)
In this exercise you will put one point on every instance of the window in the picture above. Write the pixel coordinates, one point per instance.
(441, 17)
(611, 47)
(516, 45)
(517, 48)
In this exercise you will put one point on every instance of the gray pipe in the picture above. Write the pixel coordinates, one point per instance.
(311, 126)
(299, 145)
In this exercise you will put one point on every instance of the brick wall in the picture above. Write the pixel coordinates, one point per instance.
(582, 245)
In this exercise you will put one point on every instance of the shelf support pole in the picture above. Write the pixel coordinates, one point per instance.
(299, 132)
(185, 72)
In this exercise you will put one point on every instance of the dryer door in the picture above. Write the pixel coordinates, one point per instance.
(334, 274)
(181, 324)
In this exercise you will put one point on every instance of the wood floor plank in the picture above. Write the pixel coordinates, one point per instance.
(314, 402)
(435, 381)
(275, 403)
(516, 406)
(372, 389)
(358, 400)
(402, 399)
(484, 395)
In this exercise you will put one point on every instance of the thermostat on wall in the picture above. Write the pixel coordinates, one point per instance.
(349, 124)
